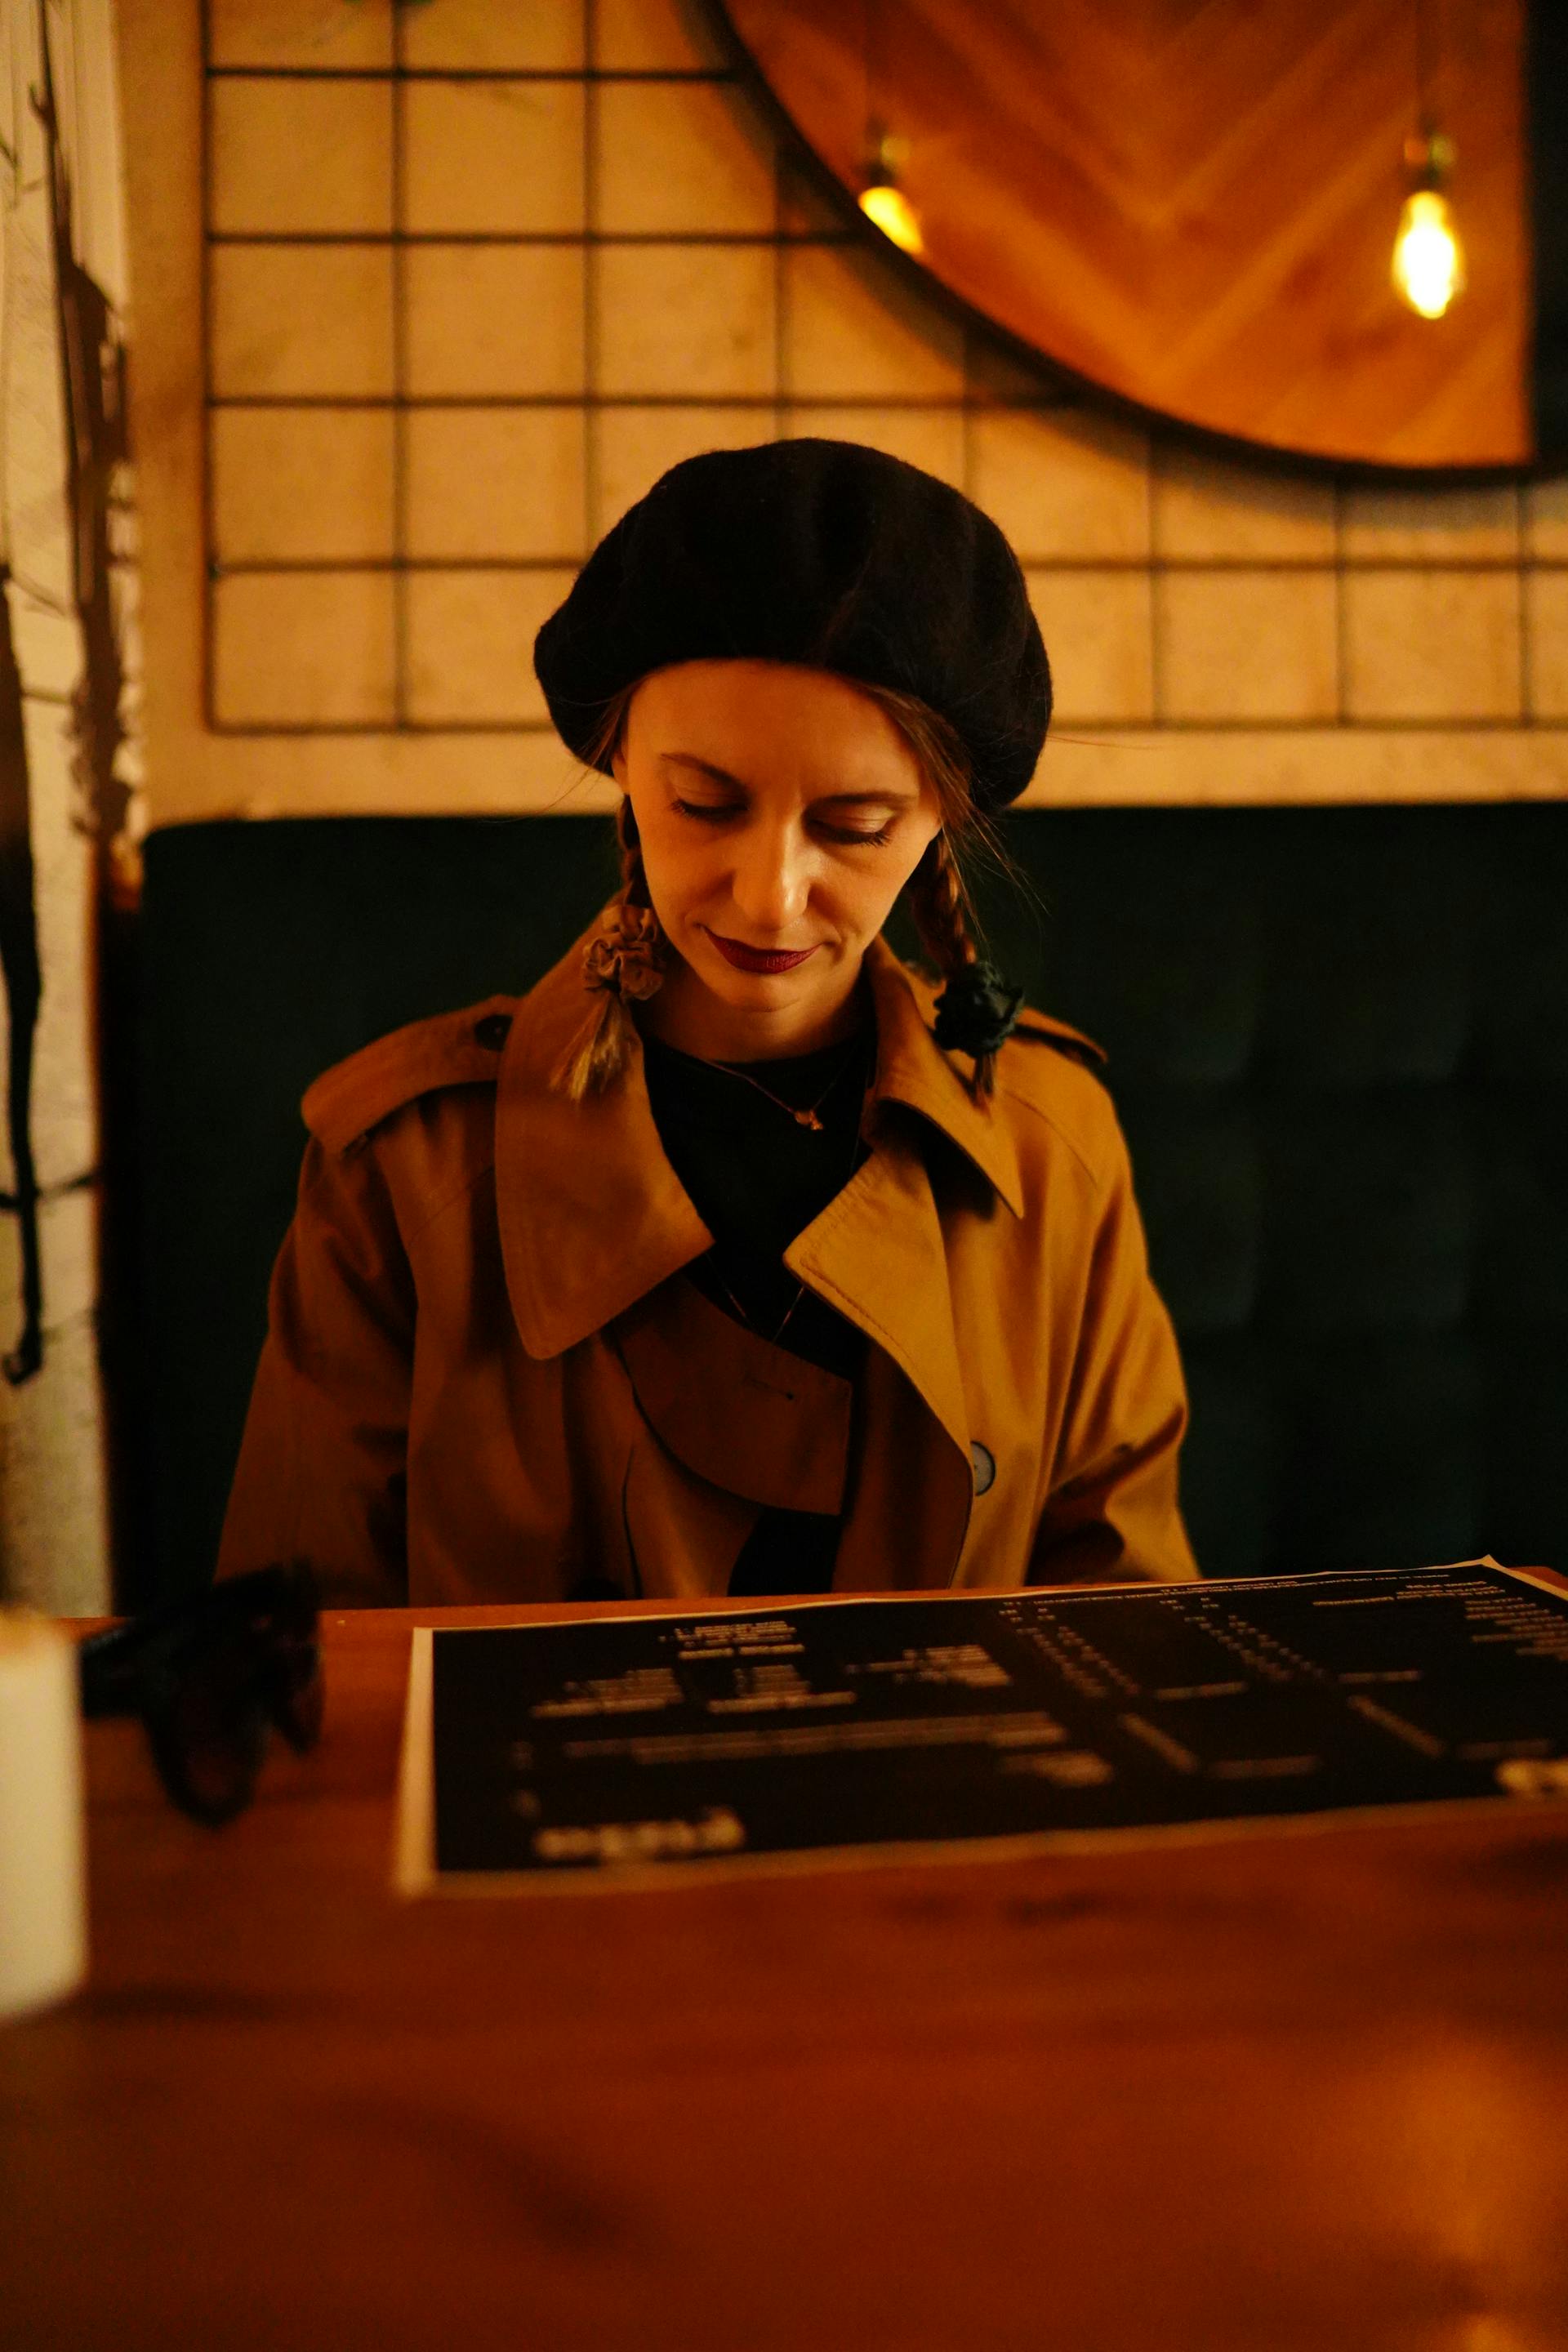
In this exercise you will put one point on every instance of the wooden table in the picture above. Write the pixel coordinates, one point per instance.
(1304, 2089)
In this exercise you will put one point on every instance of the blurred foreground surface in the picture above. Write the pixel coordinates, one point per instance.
(1295, 2090)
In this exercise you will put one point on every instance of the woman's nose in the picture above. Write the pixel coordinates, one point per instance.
(771, 883)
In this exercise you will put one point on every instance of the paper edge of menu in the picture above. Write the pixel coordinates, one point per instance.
(415, 1872)
(413, 1868)
(627, 1878)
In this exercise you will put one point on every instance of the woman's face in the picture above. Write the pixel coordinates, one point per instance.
(780, 813)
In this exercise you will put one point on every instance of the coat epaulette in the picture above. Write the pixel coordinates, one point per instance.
(456, 1049)
(1043, 1031)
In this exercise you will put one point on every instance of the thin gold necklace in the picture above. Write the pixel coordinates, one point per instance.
(750, 1323)
(802, 1118)
(807, 1117)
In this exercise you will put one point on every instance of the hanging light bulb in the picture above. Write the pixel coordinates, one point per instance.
(1428, 267)
(1429, 262)
(882, 200)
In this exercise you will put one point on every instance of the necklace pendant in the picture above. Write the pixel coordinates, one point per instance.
(807, 1118)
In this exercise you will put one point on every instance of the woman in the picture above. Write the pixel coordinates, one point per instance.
(732, 1257)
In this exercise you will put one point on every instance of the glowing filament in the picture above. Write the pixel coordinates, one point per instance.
(894, 214)
(1428, 266)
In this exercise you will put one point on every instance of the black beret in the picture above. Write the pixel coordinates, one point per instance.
(822, 552)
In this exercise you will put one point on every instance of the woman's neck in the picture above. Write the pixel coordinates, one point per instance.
(689, 1016)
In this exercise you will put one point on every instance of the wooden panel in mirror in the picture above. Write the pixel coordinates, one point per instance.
(1192, 202)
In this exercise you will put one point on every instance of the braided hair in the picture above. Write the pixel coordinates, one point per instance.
(976, 1009)
(623, 964)
(625, 960)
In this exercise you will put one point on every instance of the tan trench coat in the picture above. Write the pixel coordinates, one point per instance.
(487, 1378)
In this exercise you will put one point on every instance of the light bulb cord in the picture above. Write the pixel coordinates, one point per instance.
(1425, 67)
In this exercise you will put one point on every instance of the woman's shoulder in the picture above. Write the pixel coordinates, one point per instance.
(1050, 1090)
(1033, 1029)
(1051, 1077)
(346, 1103)
(1036, 1028)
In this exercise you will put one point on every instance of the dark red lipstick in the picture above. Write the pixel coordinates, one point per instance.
(747, 959)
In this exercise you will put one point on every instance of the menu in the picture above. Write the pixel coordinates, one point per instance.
(615, 1748)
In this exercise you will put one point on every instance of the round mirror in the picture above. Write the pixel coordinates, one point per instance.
(1196, 208)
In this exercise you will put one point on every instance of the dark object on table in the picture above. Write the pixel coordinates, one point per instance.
(207, 1674)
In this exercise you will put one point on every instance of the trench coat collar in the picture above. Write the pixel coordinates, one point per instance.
(593, 1216)
(912, 1069)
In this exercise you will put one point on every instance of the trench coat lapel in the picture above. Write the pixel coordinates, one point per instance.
(912, 1069)
(877, 1253)
(593, 1216)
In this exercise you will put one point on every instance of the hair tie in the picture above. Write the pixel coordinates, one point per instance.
(975, 1012)
(627, 956)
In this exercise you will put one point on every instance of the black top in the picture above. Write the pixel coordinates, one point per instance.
(757, 1178)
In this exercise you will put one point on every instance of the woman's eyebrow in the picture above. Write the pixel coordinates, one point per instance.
(866, 800)
(705, 767)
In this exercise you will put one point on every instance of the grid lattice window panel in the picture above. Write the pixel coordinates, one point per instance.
(478, 272)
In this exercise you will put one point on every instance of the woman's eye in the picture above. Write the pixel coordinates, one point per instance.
(844, 832)
(719, 812)
(707, 812)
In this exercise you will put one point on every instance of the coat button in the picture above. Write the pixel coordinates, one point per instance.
(985, 1462)
(493, 1030)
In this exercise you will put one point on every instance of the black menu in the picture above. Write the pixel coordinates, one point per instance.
(581, 1751)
